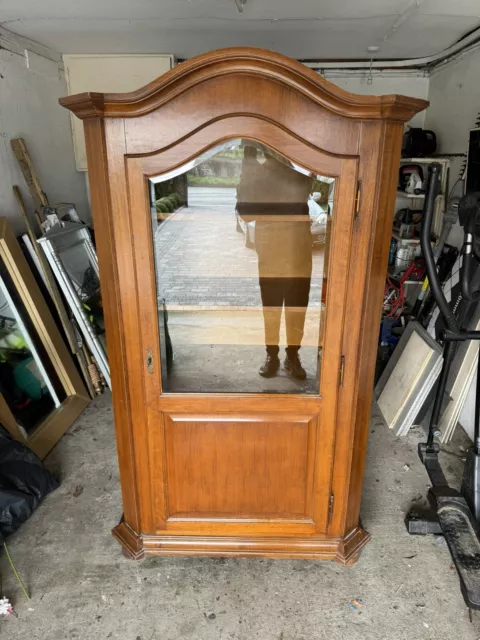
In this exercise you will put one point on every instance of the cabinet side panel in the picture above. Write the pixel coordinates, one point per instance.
(98, 174)
(379, 159)
(383, 209)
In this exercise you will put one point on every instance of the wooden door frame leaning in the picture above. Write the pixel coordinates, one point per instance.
(50, 430)
(259, 95)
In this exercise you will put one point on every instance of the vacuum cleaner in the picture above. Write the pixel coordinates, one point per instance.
(453, 514)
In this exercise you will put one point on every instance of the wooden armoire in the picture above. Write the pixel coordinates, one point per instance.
(243, 209)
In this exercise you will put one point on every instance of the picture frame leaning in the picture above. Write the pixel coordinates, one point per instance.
(41, 391)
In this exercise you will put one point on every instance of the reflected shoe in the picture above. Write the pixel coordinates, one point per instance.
(270, 367)
(294, 366)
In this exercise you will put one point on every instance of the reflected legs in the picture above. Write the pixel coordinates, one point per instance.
(297, 291)
(294, 294)
(272, 292)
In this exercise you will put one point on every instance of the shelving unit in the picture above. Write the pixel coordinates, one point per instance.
(441, 198)
(410, 247)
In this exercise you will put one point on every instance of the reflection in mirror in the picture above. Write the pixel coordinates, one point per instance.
(29, 384)
(241, 240)
(72, 257)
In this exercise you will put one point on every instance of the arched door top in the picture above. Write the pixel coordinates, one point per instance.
(258, 65)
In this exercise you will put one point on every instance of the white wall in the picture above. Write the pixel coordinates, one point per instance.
(454, 95)
(31, 82)
(414, 84)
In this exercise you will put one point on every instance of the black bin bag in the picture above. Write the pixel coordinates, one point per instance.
(24, 482)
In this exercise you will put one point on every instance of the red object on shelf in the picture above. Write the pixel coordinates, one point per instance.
(394, 297)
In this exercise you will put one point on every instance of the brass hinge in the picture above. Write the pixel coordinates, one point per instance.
(149, 361)
(357, 199)
(341, 372)
(330, 508)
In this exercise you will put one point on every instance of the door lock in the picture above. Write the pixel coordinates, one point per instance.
(149, 361)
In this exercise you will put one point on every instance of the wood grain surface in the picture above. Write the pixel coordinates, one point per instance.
(243, 474)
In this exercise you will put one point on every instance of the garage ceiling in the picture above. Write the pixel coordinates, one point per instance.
(314, 29)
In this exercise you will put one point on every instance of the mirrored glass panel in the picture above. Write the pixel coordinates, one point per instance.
(241, 240)
(29, 384)
(73, 259)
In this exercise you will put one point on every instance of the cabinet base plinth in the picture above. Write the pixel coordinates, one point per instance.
(345, 551)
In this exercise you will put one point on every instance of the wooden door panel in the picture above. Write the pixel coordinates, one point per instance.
(236, 466)
(191, 478)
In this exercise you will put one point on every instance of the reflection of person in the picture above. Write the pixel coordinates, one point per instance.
(275, 196)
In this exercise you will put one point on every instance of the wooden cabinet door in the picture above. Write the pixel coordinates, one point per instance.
(252, 262)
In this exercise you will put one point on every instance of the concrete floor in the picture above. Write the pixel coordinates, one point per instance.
(83, 588)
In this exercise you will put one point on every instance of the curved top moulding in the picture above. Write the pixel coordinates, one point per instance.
(258, 63)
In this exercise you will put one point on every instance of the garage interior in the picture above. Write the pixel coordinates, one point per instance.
(216, 308)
